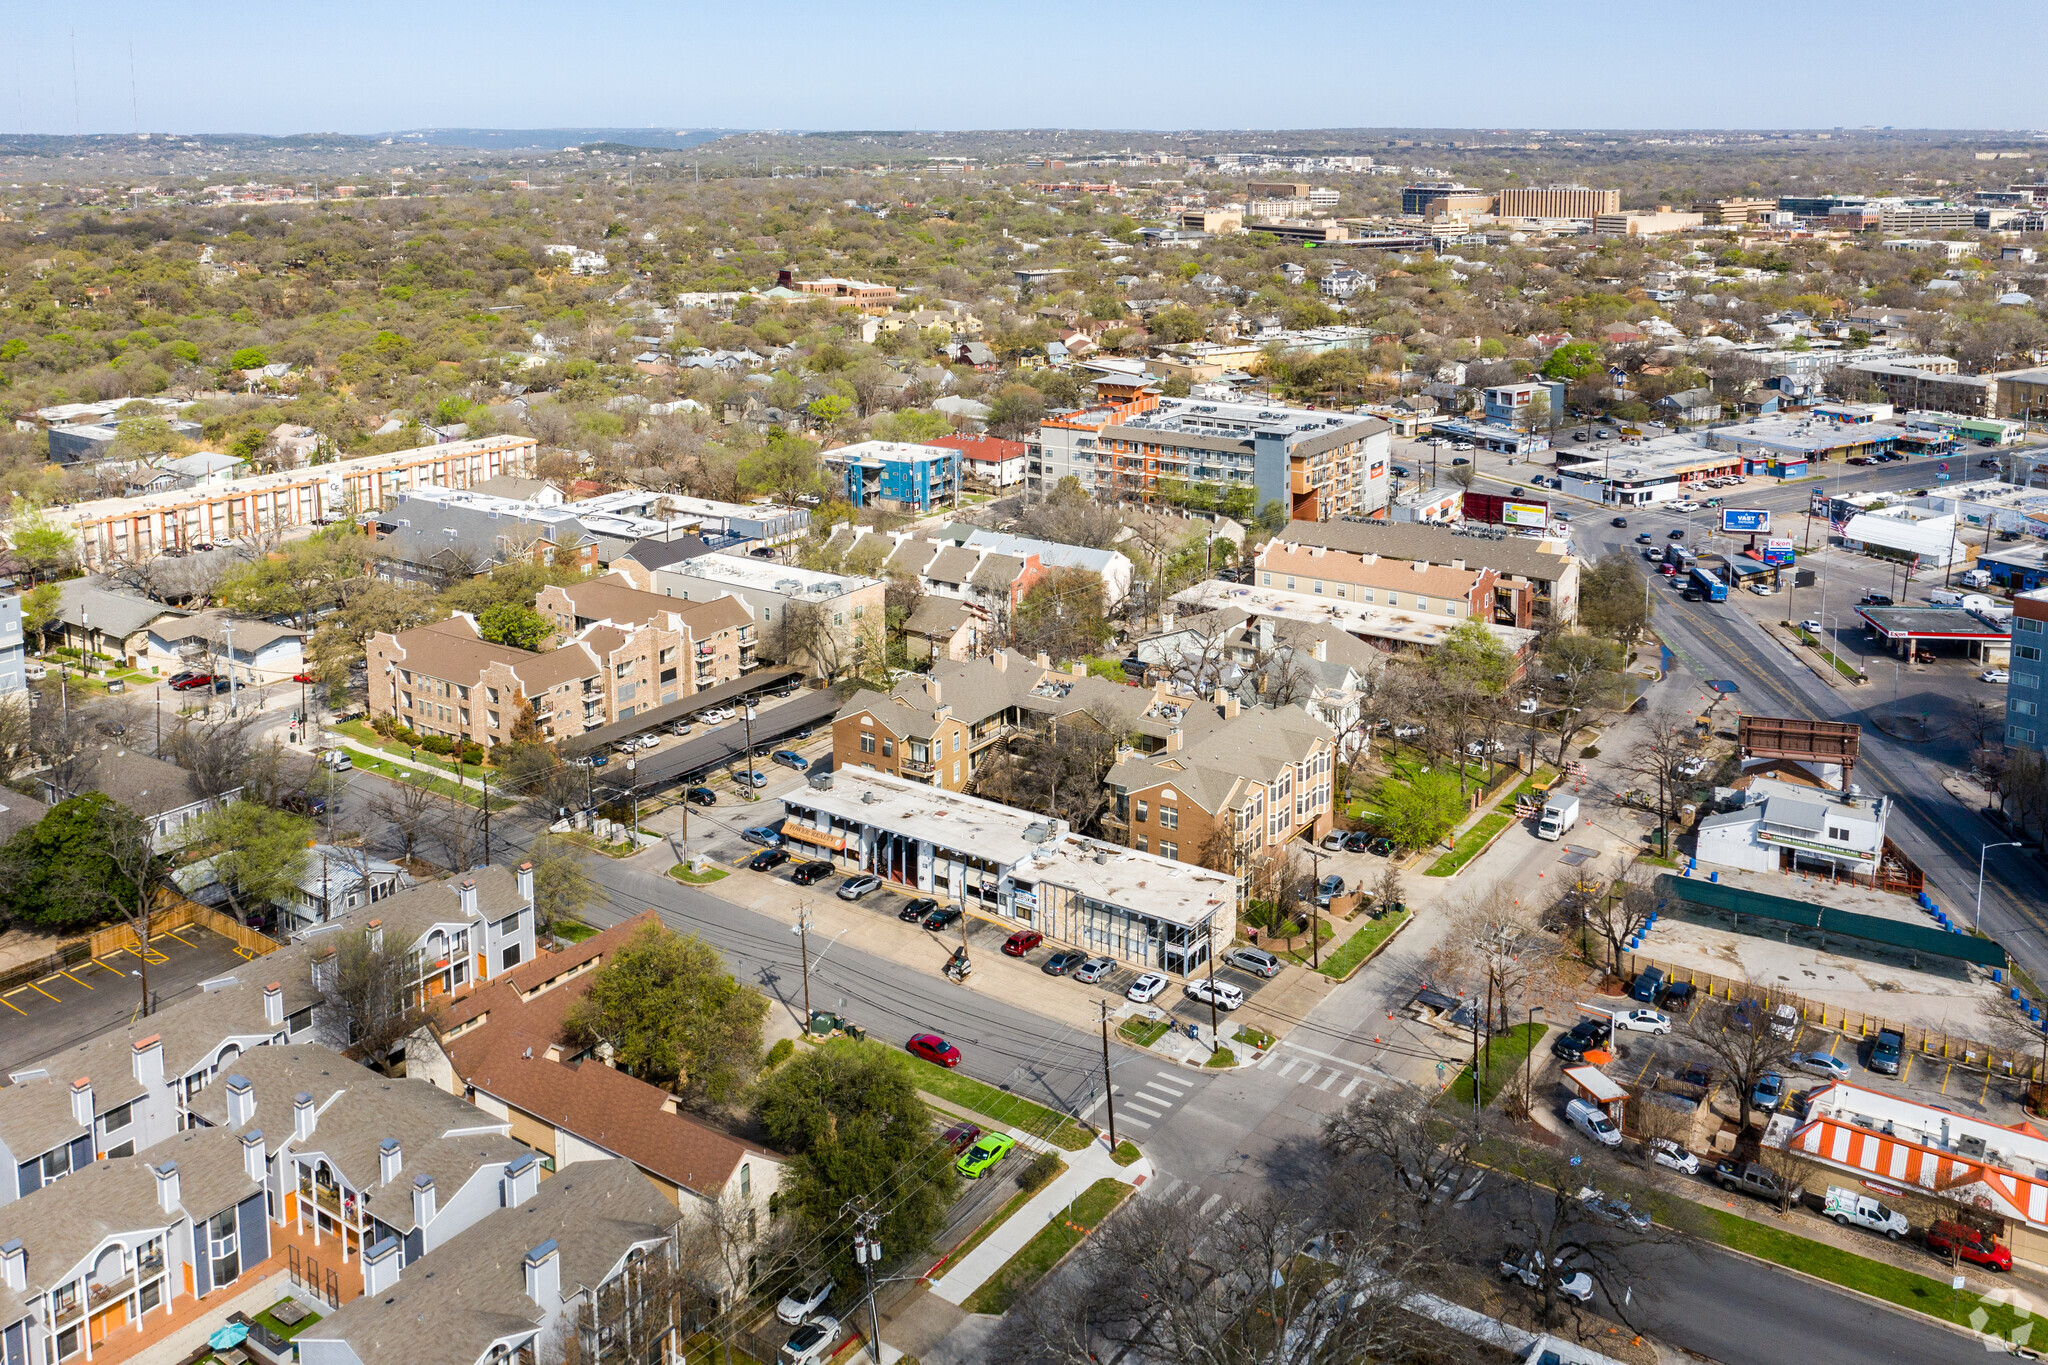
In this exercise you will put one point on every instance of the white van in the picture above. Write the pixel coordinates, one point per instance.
(337, 760)
(1944, 597)
(1592, 1120)
(1976, 578)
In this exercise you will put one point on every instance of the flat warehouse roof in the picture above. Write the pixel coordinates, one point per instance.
(949, 819)
(1932, 623)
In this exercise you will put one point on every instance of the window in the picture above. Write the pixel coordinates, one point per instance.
(221, 1245)
(1290, 582)
(2026, 680)
(512, 955)
(1318, 584)
(867, 744)
(1168, 850)
(119, 1118)
(2030, 651)
(463, 693)
(1144, 846)
(152, 1295)
(838, 618)
(56, 1164)
(1840, 836)
(746, 1179)
(492, 694)
(1450, 608)
(124, 1149)
(67, 1342)
(956, 771)
(493, 718)
(2019, 735)
(956, 741)
(1265, 580)
(2026, 624)
(668, 656)
(2023, 708)
(1142, 812)
(1169, 817)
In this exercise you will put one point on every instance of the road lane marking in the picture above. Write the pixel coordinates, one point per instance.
(1211, 1202)
(1148, 1113)
(1268, 1060)
(1164, 1101)
(1194, 1192)
(1135, 1123)
(1161, 1078)
(1173, 1182)
(1350, 1086)
(1293, 1062)
(1330, 1079)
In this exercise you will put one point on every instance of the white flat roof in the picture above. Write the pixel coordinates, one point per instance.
(1178, 892)
(1384, 623)
(953, 820)
(742, 572)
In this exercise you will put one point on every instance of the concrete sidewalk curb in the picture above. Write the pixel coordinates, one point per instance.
(1084, 1168)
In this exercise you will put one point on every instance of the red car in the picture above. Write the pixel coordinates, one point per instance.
(1022, 942)
(189, 684)
(933, 1048)
(304, 678)
(1958, 1239)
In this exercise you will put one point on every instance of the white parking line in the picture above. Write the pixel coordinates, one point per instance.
(1211, 1202)
(1330, 1079)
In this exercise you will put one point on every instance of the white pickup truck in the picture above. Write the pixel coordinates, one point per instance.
(1847, 1206)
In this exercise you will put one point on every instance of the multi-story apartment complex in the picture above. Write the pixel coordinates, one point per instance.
(1229, 785)
(1645, 223)
(717, 636)
(1508, 404)
(1438, 198)
(13, 649)
(2026, 689)
(1069, 444)
(113, 530)
(1556, 201)
(1933, 385)
(1318, 465)
(842, 603)
(1533, 588)
(898, 475)
(446, 679)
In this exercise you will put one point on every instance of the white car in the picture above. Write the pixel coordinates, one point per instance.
(1665, 1152)
(1227, 996)
(804, 1300)
(1687, 506)
(811, 1342)
(1692, 767)
(1146, 988)
(1810, 626)
(1997, 675)
(716, 715)
(1527, 706)
(1577, 1285)
(1762, 589)
(35, 670)
(1643, 1021)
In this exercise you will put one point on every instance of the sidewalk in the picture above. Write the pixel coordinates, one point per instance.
(1084, 1168)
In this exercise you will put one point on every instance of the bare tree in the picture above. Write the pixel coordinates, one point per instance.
(1552, 1228)
(141, 888)
(1398, 1133)
(1618, 915)
(1657, 758)
(1740, 1040)
(1584, 685)
(411, 810)
(660, 1294)
(369, 999)
(1059, 768)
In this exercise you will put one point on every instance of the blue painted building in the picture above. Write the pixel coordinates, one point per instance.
(897, 475)
(13, 651)
(2018, 566)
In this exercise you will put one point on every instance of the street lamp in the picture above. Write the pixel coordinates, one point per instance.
(1978, 918)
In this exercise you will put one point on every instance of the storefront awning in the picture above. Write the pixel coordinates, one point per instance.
(803, 835)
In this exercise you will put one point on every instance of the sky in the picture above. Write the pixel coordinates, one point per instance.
(373, 66)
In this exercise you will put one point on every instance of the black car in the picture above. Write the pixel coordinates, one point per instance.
(913, 911)
(1568, 1049)
(1059, 964)
(702, 796)
(1676, 533)
(1383, 847)
(942, 916)
(1693, 595)
(1676, 996)
(806, 873)
(1357, 841)
(1875, 599)
(1619, 521)
(1592, 1032)
(767, 859)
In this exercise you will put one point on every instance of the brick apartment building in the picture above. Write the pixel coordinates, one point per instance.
(718, 635)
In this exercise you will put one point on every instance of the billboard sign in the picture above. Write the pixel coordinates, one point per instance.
(1745, 521)
(1490, 509)
(1778, 553)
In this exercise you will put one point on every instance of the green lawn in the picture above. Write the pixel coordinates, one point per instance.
(274, 1325)
(470, 792)
(1221, 1057)
(1142, 1032)
(361, 732)
(1254, 1037)
(1503, 1056)
(1875, 1278)
(1359, 946)
(681, 872)
(1471, 842)
(1001, 1215)
(998, 1105)
(1126, 1153)
(1045, 1250)
(1842, 666)
(573, 930)
(1303, 955)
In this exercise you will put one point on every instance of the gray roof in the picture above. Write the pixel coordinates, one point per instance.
(1435, 544)
(937, 616)
(452, 1303)
(412, 912)
(954, 564)
(35, 1115)
(17, 813)
(250, 633)
(1219, 759)
(659, 554)
(996, 571)
(1796, 814)
(95, 603)
(911, 556)
(980, 688)
(146, 785)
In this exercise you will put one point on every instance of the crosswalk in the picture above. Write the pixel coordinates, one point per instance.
(1174, 1190)
(1152, 1101)
(1321, 1072)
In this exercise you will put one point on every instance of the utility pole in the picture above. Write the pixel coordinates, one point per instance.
(1215, 1029)
(487, 817)
(867, 1250)
(228, 634)
(803, 934)
(1108, 1098)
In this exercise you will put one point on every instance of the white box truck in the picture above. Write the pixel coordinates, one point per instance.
(1560, 813)
(1976, 578)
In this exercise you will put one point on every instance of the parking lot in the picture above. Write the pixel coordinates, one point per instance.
(63, 1008)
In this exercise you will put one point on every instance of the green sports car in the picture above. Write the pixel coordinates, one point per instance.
(981, 1158)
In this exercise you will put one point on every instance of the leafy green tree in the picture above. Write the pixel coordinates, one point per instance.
(43, 548)
(1473, 656)
(60, 872)
(249, 358)
(1573, 360)
(143, 434)
(39, 608)
(1614, 599)
(1063, 615)
(1175, 325)
(785, 468)
(508, 623)
(262, 852)
(1419, 812)
(853, 1125)
(667, 1010)
(299, 578)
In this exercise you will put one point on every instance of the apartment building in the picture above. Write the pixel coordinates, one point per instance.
(1556, 201)
(1215, 221)
(843, 603)
(1934, 386)
(457, 933)
(446, 679)
(1230, 785)
(897, 475)
(1069, 444)
(717, 636)
(2025, 688)
(1267, 660)
(991, 582)
(592, 1249)
(1319, 465)
(1508, 404)
(989, 460)
(1534, 587)
(940, 727)
(114, 530)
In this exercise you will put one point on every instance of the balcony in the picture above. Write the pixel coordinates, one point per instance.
(99, 1295)
(918, 767)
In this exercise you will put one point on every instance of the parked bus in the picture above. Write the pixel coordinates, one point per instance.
(1708, 585)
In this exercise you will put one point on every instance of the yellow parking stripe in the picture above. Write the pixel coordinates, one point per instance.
(105, 965)
(11, 1005)
(173, 933)
(40, 991)
(76, 979)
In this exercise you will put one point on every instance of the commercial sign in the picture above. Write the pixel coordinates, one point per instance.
(1490, 509)
(1745, 520)
(1535, 514)
(1778, 553)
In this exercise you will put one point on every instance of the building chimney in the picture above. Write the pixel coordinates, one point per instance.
(465, 893)
(1322, 649)
(254, 1159)
(1229, 705)
(14, 1266)
(931, 689)
(1001, 660)
(376, 933)
(1265, 634)
(1173, 740)
(241, 1101)
(544, 1277)
(167, 1187)
(525, 875)
(381, 1264)
(670, 1104)
(1165, 622)
(81, 1102)
(147, 1058)
(273, 1004)
(422, 1200)
(1043, 660)
(304, 1117)
(390, 1161)
(522, 1178)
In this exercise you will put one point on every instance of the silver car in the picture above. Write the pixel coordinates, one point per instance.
(1257, 961)
(1094, 969)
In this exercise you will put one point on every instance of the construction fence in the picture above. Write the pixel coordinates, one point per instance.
(2022, 1061)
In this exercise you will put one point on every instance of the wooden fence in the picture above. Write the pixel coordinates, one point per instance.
(117, 938)
(1932, 1044)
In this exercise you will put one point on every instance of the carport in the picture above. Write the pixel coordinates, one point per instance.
(640, 722)
(728, 744)
(1905, 629)
(1596, 1087)
(1916, 939)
